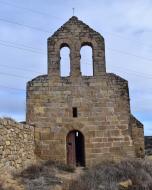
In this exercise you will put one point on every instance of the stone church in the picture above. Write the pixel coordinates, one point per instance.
(81, 120)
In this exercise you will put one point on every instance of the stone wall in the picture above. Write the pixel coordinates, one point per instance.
(102, 101)
(138, 136)
(16, 145)
(75, 34)
(103, 116)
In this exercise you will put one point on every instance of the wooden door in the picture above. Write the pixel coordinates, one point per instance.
(71, 150)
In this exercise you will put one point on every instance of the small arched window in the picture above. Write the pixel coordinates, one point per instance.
(65, 61)
(86, 63)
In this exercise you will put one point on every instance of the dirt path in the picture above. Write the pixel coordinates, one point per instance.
(67, 178)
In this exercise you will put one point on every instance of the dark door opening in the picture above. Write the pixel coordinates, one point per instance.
(75, 148)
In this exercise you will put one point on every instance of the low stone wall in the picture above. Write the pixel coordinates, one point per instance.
(137, 136)
(16, 145)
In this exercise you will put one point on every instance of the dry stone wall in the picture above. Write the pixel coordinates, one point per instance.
(16, 145)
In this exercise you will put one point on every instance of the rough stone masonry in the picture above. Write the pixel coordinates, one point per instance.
(78, 120)
(16, 145)
(81, 116)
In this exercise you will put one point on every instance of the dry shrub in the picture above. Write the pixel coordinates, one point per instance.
(42, 176)
(60, 166)
(106, 176)
(31, 172)
(9, 118)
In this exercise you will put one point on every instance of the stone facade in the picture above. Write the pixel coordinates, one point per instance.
(16, 145)
(137, 136)
(102, 103)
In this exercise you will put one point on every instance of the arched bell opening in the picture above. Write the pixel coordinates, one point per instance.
(65, 60)
(86, 61)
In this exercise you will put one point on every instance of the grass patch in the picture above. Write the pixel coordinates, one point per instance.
(42, 176)
(38, 176)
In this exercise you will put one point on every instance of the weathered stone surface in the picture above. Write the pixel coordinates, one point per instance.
(137, 132)
(102, 101)
(16, 145)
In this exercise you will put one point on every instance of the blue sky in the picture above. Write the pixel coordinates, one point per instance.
(26, 25)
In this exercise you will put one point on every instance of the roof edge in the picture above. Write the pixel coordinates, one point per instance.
(74, 20)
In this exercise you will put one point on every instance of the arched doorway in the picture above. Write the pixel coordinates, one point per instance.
(75, 148)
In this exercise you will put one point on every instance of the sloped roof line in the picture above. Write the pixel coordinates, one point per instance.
(76, 21)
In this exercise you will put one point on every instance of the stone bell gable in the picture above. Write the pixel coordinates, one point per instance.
(75, 34)
(81, 120)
